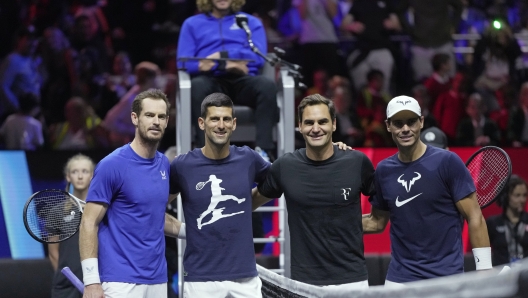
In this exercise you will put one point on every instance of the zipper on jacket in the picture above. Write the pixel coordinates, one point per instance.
(221, 35)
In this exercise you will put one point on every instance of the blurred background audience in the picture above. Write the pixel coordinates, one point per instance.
(84, 55)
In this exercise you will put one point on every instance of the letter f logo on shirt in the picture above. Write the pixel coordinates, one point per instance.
(346, 192)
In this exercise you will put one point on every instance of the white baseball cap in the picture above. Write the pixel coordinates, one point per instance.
(403, 103)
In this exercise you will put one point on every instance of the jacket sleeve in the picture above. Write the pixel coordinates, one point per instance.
(187, 48)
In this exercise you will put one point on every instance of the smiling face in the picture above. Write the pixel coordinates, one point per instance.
(317, 126)
(218, 125)
(152, 120)
(405, 127)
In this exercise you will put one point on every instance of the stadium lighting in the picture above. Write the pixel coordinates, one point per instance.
(496, 24)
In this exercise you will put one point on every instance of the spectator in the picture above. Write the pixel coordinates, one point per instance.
(99, 24)
(117, 121)
(21, 131)
(372, 22)
(518, 122)
(495, 58)
(320, 83)
(117, 83)
(59, 67)
(372, 101)
(473, 21)
(19, 73)
(348, 129)
(289, 23)
(439, 82)
(91, 60)
(477, 129)
(449, 107)
(431, 29)
(78, 173)
(371, 107)
(214, 34)
(422, 97)
(82, 129)
(507, 231)
(318, 39)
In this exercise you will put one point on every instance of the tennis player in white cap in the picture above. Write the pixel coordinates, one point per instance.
(424, 191)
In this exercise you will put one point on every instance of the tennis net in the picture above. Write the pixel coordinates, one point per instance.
(489, 283)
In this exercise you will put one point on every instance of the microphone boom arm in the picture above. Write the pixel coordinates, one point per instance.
(294, 70)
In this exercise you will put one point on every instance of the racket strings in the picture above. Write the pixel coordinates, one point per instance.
(490, 171)
(53, 216)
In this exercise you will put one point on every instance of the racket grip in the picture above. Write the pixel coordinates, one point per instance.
(74, 280)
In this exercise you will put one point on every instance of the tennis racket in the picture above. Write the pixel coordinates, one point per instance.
(52, 215)
(74, 280)
(201, 185)
(491, 168)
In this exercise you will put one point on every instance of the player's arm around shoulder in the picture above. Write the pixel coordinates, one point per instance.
(88, 246)
(173, 227)
(375, 221)
(258, 199)
(269, 186)
(342, 146)
(478, 231)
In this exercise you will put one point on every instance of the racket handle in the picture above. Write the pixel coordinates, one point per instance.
(74, 280)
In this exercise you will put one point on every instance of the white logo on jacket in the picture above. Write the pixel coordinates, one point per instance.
(234, 26)
(163, 175)
(216, 198)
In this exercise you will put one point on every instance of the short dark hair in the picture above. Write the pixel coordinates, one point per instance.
(374, 73)
(216, 100)
(439, 59)
(504, 199)
(316, 99)
(137, 106)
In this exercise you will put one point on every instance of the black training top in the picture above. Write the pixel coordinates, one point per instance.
(324, 213)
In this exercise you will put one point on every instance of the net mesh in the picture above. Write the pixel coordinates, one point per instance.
(490, 170)
(482, 284)
(52, 216)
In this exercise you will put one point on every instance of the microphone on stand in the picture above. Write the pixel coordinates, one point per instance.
(242, 22)
(294, 69)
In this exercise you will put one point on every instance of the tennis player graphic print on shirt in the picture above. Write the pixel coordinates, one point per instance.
(216, 197)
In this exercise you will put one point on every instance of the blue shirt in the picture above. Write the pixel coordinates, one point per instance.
(426, 227)
(216, 198)
(202, 35)
(131, 237)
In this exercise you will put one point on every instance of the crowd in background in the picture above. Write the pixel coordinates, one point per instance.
(69, 69)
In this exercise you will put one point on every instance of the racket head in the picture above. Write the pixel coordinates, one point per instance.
(491, 168)
(52, 215)
(201, 185)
